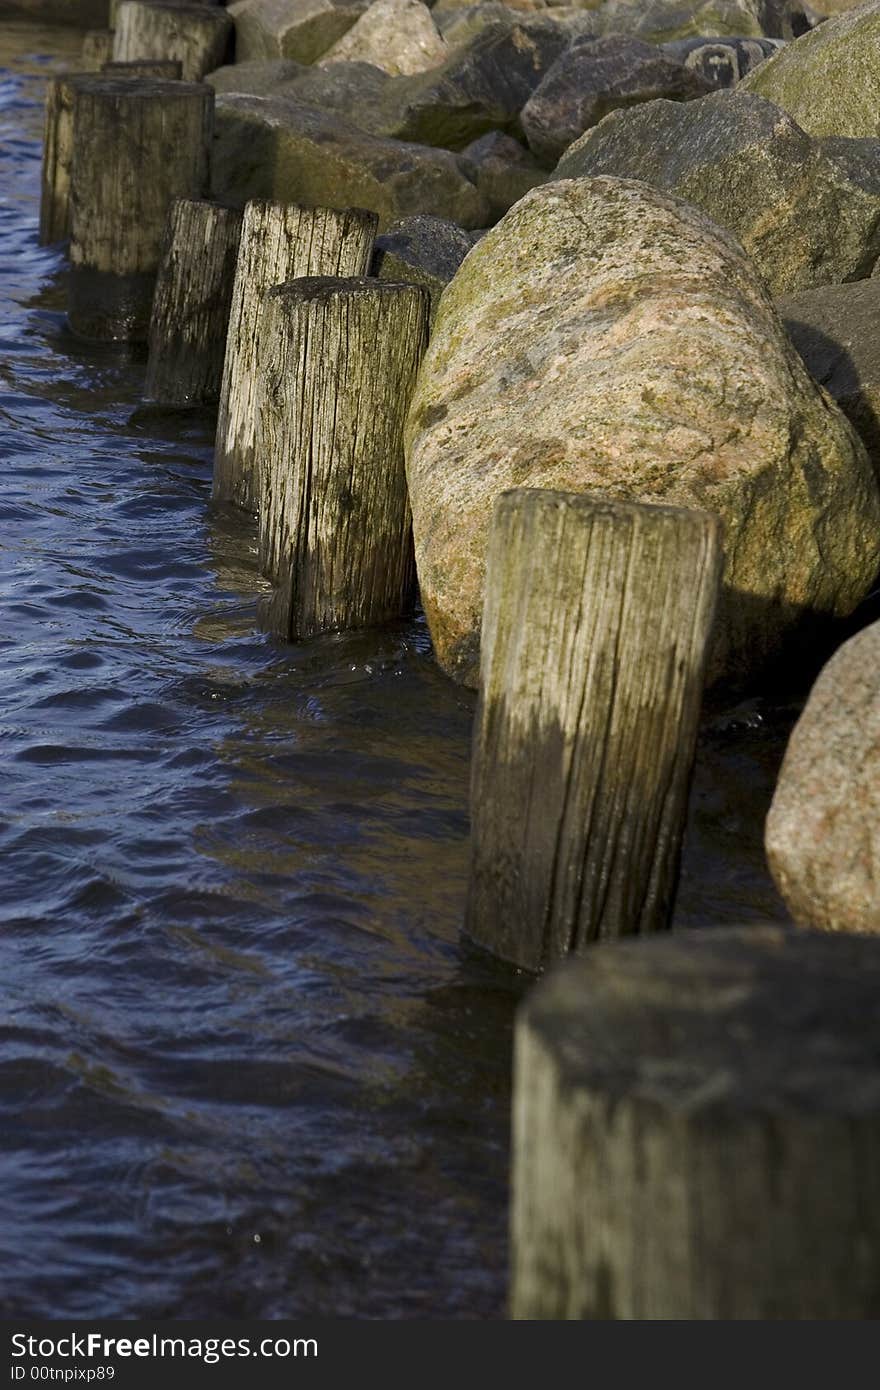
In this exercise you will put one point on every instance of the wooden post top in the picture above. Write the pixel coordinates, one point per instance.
(308, 288)
(147, 89)
(590, 505)
(716, 1023)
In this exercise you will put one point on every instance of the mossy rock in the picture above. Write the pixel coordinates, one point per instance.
(608, 338)
(806, 210)
(829, 79)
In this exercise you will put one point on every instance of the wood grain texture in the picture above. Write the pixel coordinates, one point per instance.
(139, 144)
(191, 303)
(279, 242)
(198, 35)
(595, 628)
(97, 49)
(338, 369)
(696, 1131)
(58, 137)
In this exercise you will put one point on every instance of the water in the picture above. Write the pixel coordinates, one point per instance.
(246, 1066)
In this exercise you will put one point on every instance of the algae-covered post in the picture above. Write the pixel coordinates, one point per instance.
(59, 136)
(191, 303)
(279, 242)
(198, 35)
(337, 369)
(595, 630)
(138, 146)
(696, 1131)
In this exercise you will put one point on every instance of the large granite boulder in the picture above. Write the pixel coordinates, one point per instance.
(829, 79)
(608, 338)
(275, 147)
(595, 76)
(398, 36)
(835, 330)
(823, 830)
(807, 211)
(300, 29)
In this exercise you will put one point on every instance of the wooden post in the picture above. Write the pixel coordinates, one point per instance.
(170, 69)
(138, 145)
(337, 369)
(59, 136)
(696, 1131)
(191, 303)
(278, 243)
(596, 622)
(61, 94)
(198, 35)
(97, 49)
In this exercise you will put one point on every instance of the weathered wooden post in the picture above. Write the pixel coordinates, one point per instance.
(138, 145)
(171, 69)
(191, 303)
(337, 367)
(198, 35)
(596, 622)
(696, 1131)
(279, 242)
(97, 49)
(61, 95)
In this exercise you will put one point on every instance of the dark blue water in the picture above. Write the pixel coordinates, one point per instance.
(246, 1067)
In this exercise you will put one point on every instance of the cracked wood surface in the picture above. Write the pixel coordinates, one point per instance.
(138, 146)
(192, 302)
(595, 631)
(341, 357)
(197, 35)
(696, 1130)
(279, 242)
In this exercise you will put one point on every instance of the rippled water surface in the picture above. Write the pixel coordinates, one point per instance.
(246, 1067)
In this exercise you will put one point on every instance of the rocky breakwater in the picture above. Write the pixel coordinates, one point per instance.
(807, 210)
(609, 338)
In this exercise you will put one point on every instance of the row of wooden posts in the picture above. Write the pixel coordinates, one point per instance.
(674, 1155)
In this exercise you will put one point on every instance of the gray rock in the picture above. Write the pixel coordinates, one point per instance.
(259, 78)
(421, 250)
(276, 147)
(660, 21)
(483, 86)
(823, 830)
(398, 36)
(807, 211)
(834, 328)
(723, 62)
(299, 29)
(607, 338)
(593, 77)
(829, 79)
(502, 169)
